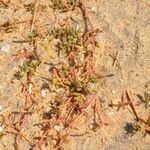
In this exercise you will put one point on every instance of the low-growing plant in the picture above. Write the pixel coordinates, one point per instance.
(30, 7)
(73, 80)
(29, 66)
(142, 125)
(32, 36)
(71, 74)
(9, 26)
(69, 39)
(64, 5)
(145, 99)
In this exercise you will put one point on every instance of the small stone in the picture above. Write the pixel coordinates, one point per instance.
(43, 92)
(1, 129)
(5, 48)
(47, 109)
(1, 108)
(30, 87)
(116, 102)
(59, 128)
(94, 9)
(77, 27)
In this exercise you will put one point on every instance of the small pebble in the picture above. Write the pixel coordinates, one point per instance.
(6, 48)
(59, 128)
(115, 102)
(43, 92)
(30, 87)
(1, 108)
(94, 9)
(1, 129)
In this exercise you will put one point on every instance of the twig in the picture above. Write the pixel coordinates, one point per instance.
(23, 21)
(115, 59)
(82, 111)
(131, 105)
(41, 141)
(100, 114)
(34, 15)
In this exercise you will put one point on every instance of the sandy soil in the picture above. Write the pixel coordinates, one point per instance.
(124, 27)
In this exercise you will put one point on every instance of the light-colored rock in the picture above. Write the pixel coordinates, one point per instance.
(1, 108)
(59, 128)
(43, 92)
(30, 88)
(1, 129)
(115, 102)
(5, 48)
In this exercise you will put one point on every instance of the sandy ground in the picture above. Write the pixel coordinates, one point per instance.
(124, 32)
